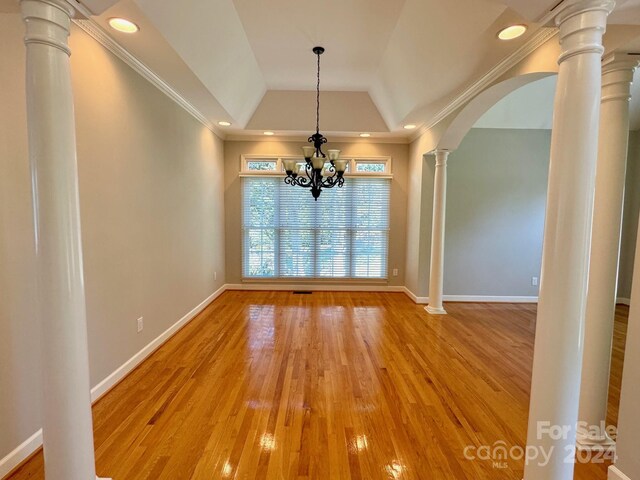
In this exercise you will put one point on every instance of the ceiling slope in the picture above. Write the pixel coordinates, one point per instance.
(96, 7)
(157, 55)
(349, 112)
(436, 49)
(531, 10)
(210, 39)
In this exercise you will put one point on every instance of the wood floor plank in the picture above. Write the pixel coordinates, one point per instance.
(333, 385)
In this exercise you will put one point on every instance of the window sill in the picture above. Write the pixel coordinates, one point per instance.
(316, 281)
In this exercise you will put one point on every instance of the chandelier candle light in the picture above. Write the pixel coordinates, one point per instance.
(315, 174)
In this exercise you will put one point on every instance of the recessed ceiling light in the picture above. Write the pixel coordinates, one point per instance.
(269, 133)
(123, 25)
(365, 135)
(409, 126)
(511, 32)
(224, 124)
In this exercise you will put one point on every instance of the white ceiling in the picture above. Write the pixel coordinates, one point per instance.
(627, 12)
(355, 34)
(387, 62)
(403, 55)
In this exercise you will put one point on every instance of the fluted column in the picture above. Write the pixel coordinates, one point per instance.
(557, 361)
(67, 421)
(436, 275)
(617, 75)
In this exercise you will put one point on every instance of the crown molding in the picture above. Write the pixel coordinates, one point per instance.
(97, 33)
(539, 38)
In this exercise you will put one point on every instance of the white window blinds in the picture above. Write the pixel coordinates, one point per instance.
(286, 233)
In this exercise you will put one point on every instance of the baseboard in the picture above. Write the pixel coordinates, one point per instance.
(415, 298)
(623, 301)
(19, 454)
(11, 461)
(615, 474)
(489, 299)
(472, 298)
(112, 380)
(316, 287)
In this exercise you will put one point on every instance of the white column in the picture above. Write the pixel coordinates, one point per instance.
(617, 75)
(557, 360)
(436, 275)
(67, 421)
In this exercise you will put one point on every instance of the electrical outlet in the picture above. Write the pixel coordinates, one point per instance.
(215, 275)
(140, 324)
(534, 281)
(395, 272)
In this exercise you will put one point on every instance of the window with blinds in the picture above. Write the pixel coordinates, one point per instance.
(286, 233)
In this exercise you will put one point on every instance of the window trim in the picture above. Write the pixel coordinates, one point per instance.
(279, 171)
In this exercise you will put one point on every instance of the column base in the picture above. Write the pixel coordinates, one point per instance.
(435, 310)
(585, 443)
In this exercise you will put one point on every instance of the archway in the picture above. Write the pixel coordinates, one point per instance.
(468, 115)
(497, 190)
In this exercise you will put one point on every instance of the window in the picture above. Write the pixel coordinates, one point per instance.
(261, 165)
(268, 166)
(370, 167)
(287, 234)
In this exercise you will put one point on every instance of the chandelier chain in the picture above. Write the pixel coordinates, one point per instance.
(316, 174)
(318, 99)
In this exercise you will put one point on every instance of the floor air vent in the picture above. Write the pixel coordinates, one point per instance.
(302, 292)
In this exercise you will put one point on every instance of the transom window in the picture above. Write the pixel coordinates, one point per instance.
(262, 165)
(287, 234)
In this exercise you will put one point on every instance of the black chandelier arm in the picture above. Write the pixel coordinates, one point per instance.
(334, 180)
(318, 140)
(315, 181)
(297, 181)
(332, 168)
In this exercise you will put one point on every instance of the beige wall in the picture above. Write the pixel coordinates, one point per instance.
(628, 460)
(419, 215)
(421, 172)
(496, 197)
(233, 201)
(19, 333)
(151, 201)
(630, 217)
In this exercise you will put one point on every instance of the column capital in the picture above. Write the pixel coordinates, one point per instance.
(582, 24)
(617, 76)
(619, 61)
(441, 155)
(47, 22)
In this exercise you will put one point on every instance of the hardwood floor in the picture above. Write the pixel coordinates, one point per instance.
(271, 385)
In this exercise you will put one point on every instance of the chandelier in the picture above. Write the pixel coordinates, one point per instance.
(316, 174)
